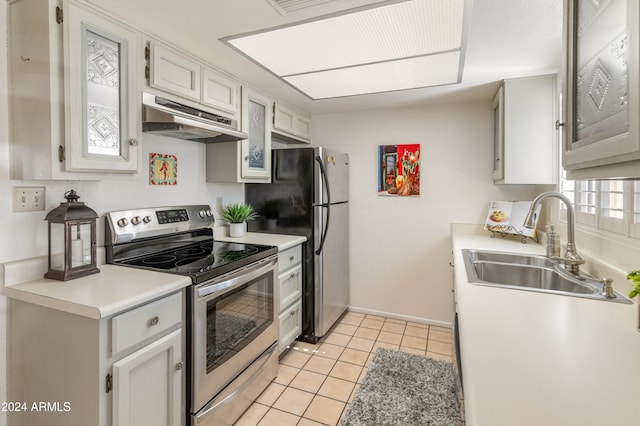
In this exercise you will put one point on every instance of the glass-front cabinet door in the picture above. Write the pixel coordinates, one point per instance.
(102, 132)
(601, 100)
(257, 111)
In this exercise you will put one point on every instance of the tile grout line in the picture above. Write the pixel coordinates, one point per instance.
(313, 350)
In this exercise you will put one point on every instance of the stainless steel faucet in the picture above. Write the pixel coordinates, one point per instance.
(571, 259)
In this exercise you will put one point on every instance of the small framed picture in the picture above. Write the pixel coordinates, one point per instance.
(163, 169)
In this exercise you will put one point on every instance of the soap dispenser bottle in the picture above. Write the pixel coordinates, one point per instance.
(553, 242)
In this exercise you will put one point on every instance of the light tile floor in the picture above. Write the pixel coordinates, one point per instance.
(315, 383)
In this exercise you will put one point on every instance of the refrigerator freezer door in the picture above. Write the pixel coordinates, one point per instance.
(336, 166)
(332, 266)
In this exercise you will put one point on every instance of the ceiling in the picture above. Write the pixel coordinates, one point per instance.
(506, 39)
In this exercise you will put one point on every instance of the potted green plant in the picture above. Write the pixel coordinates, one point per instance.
(237, 214)
(634, 276)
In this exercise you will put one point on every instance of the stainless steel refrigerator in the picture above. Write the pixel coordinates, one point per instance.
(309, 195)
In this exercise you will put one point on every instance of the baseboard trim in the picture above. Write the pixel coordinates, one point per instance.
(400, 317)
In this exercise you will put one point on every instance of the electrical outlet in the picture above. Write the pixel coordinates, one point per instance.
(28, 198)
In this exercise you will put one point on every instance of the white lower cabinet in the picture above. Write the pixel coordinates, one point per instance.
(290, 325)
(147, 384)
(290, 296)
(122, 370)
(290, 286)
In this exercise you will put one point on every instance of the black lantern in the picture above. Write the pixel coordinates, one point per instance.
(72, 240)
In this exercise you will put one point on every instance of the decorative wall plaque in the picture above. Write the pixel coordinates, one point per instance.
(163, 169)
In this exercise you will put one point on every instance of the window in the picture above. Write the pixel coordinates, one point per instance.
(609, 205)
(634, 226)
(612, 196)
(583, 195)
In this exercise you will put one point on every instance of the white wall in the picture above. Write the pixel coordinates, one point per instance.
(400, 246)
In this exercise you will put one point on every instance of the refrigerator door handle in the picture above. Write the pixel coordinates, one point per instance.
(326, 227)
(326, 205)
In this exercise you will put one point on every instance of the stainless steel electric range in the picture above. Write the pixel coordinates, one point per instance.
(232, 331)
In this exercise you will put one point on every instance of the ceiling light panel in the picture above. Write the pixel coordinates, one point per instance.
(394, 45)
(396, 30)
(424, 71)
(287, 6)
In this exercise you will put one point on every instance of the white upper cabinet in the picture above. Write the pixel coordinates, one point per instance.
(220, 92)
(176, 73)
(498, 135)
(102, 103)
(173, 72)
(525, 141)
(601, 89)
(290, 124)
(256, 122)
(73, 92)
(248, 160)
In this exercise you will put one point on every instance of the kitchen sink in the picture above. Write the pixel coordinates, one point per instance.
(530, 272)
(509, 258)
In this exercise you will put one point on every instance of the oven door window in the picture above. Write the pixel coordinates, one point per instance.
(237, 318)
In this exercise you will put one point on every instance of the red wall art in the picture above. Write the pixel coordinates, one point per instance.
(399, 170)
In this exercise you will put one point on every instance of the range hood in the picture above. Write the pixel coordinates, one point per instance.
(162, 116)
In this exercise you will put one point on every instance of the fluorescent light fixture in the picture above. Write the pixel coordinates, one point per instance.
(288, 6)
(394, 45)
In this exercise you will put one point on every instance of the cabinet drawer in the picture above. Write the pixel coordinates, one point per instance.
(289, 258)
(290, 325)
(135, 326)
(290, 286)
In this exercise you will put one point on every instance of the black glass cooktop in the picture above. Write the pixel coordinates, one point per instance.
(199, 257)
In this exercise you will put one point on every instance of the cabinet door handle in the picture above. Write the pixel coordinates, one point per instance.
(291, 258)
(292, 313)
(292, 276)
(179, 366)
(154, 321)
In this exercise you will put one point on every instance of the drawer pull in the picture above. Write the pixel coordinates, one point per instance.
(179, 366)
(154, 321)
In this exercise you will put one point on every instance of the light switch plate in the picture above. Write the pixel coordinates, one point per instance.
(28, 198)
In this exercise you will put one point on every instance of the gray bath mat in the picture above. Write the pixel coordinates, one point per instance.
(405, 389)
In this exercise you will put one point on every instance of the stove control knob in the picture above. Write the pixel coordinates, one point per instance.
(209, 213)
(202, 213)
(146, 219)
(122, 222)
(135, 220)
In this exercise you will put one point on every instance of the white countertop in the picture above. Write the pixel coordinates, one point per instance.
(537, 359)
(282, 241)
(114, 289)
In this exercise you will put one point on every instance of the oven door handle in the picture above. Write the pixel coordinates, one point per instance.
(240, 277)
